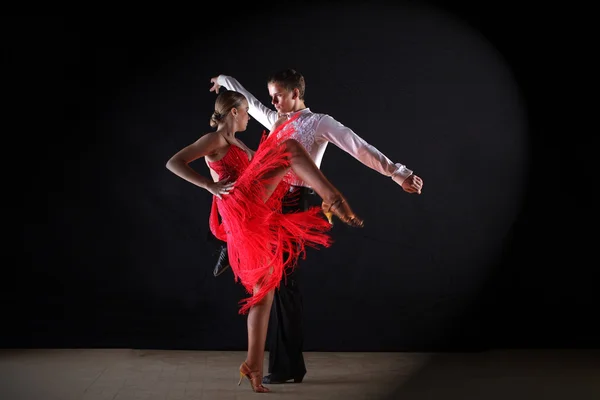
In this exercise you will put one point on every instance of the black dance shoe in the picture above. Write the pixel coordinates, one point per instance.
(222, 262)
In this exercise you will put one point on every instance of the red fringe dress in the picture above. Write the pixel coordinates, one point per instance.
(262, 242)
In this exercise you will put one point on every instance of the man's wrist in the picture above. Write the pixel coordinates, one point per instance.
(400, 175)
(221, 80)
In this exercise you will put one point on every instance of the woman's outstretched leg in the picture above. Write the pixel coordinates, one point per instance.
(305, 168)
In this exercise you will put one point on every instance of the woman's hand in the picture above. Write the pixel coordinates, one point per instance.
(221, 187)
(281, 118)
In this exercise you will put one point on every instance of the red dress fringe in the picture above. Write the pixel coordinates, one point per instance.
(262, 242)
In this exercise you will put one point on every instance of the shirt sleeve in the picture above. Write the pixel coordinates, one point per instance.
(344, 138)
(263, 114)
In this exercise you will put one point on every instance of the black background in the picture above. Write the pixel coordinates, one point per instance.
(113, 251)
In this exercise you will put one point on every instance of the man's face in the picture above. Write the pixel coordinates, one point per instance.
(282, 99)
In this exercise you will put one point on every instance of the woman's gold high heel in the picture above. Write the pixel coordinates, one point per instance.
(342, 210)
(254, 377)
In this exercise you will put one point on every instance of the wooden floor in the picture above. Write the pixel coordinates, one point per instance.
(124, 374)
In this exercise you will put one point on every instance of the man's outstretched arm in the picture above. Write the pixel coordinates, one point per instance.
(347, 140)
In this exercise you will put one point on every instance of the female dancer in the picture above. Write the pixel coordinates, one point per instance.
(248, 189)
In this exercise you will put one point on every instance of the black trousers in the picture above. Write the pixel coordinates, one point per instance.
(285, 336)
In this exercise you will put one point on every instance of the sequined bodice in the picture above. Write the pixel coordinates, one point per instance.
(232, 164)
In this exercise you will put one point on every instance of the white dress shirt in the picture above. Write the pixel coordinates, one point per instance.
(314, 131)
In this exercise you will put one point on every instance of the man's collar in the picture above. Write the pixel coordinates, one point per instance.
(303, 111)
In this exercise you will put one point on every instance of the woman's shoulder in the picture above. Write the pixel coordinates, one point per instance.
(214, 136)
(218, 143)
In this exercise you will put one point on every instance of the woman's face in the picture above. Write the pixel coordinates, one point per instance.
(242, 116)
